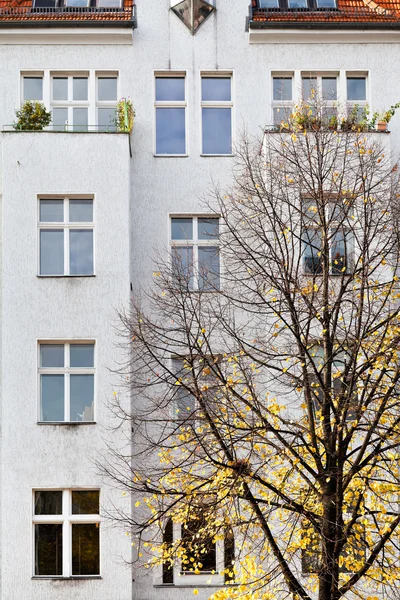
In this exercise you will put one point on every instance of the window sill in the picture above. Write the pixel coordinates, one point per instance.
(193, 585)
(217, 155)
(68, 423)
(59, 578)
(63, 276)
(171, 155)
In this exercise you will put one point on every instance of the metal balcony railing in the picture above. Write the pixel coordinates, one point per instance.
(69, 13)
(350, 14)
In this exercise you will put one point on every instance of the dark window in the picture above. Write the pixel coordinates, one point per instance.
(85, 549)
(85, 502)
(48, 503)
(168, 538)
(200, 548)
(48, 549)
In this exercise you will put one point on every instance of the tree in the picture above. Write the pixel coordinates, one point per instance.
(266, 402)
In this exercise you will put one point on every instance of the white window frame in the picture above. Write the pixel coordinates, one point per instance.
(91, 103)
(66, 371)
(286, 106)
(66, 226)
(170, 104)
(217, 104)
(69, 104)
(105, 103)
(341, 103)
(66, 519)
(196, 243)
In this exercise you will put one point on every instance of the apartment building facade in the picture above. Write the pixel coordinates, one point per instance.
(86, 208)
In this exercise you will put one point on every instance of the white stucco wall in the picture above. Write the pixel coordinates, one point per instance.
(145, 187)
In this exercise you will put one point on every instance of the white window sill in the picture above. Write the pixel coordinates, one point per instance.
(60, 578)
(67, 423)
(171, 155)
(64, 276)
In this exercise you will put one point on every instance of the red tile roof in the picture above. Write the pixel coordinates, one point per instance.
(348, 11)
(22, 11)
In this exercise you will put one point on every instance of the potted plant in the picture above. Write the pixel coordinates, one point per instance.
(32, 116)
(124, 115)
(381, 119)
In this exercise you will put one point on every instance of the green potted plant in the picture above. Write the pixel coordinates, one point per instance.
(32, 116)
(381, 119)
(124, 115)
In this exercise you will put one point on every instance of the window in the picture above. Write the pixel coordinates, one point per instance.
(66, 533)
(282, 95)
(215, 557)
(321, 93)
(66, 382)
(170, 106)
(79, 101)
(195, 252)
(184, 404)
(356, 94)
(340, 239)
(66, 237)
(216, 111)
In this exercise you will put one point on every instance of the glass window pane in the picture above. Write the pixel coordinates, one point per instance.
(170, 89)
(82, 397)
(329, 88)
(205, 547)
(297, 3)
(60, 88)
(281, 115)
(326, 3)
(52, 356)
(282, 88)
(86, 549)
(80, 118)
(107, 88)
(51, 252)
(311, 248)
(182, 228)
(81, 211)
(109, 3)
(184, 403)
(48, 549)
(170, 131)
(216, 88)
(269, 3)
(48, 503)
(341, 250)
(33, 88)
(80, 3)
(82, 355)
(309, 87)
(86, 502)
(182, 265)
(356, 88)
(45, 3)
(208, 228)
(81, 251)
(209, 269)
(52, 211)
(60, 119)
(106, 119)
(52, 397)
(80, 88)
(217, 131)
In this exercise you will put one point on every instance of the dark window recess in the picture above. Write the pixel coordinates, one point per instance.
(229, 556)
(85, 502)
(168, 538)
(48, 503)
(48, 549)
(86, 549)
(200, 548)
(295, 4)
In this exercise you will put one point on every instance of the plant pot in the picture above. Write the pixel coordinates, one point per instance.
(381, 126)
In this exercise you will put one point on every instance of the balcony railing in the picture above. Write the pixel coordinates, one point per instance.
(83, 14)
(258, 16)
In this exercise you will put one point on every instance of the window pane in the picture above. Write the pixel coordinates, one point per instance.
(297, 3)
(60, 88)
(52, 211)
(356, 88)
(81, 211)
(195, 553)
(182, 229)
(107, 88)
(184, 403)
(208, 229)
(281, 115)
(309, 87)
(33, 88)
(80, 118)
(329, 88)
(170, 131)
(170, 89)
(269, 3)
(45, 3)
(76, 2)
(80, 87)
(208, 268)
(51, 252)
(48, 549)
(86, 502)
(48, 503)
(216, 88)
(182, 265)
(311, 248)
(52, 356)
(82, 355)
(282, 88)
(106, 119)
(60, 119)
(108, 3)
(85, 549)
(341, 251)
(217, 131)
(326, 3)
(81, 251)
(52, 397)
(82, 397)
